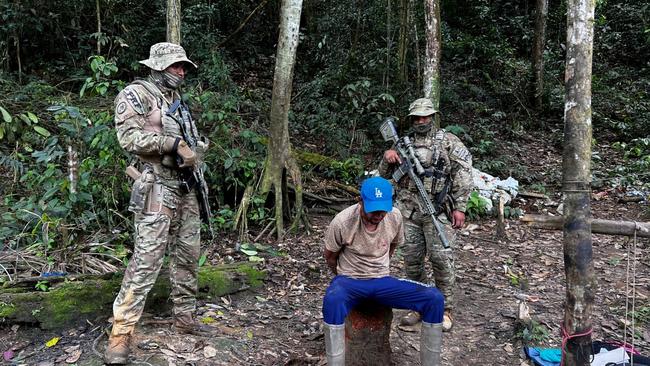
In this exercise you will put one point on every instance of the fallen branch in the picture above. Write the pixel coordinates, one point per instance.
(598, 226)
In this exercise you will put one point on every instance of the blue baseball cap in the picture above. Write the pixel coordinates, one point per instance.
(377, 195)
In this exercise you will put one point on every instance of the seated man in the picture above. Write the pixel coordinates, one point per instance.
(358, 245)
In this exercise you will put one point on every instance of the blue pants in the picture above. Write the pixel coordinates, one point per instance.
(344, 293)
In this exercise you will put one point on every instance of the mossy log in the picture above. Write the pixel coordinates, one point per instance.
(71, 300)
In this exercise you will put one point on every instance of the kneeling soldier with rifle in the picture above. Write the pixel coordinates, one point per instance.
(433, 172)
(169, 196)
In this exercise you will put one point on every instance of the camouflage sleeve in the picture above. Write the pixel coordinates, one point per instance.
(131, 106)
(461, 172)
(385, 169)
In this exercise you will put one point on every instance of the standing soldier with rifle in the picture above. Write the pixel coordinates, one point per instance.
(169, 196)
(432, 197)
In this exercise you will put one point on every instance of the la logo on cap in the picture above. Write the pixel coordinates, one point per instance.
(378, 193)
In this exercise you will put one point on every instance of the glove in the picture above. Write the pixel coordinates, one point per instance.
(182, 150)
(188, 157)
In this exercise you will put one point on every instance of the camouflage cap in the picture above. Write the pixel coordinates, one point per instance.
(422, 107)
(164, 54)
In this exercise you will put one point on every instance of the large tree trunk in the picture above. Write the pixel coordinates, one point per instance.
(174, 21)
(433, 52)
(578, 261)
(541, 13)
(402, 47)
(74, 299)
(279, 149)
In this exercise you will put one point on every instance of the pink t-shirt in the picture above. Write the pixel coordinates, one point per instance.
(364, 254)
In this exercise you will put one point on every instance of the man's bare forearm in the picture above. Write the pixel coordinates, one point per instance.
(331, 258)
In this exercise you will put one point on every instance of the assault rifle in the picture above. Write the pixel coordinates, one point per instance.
(411, 166)
(191, 176)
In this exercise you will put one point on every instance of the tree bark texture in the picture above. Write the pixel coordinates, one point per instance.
(99, 26)
(402, 47)
(389, 42)
(279, 148)
(72, 300)
(174, 21)
(598, 226)
(432, 54)
(578, 256)
(541, 13)
(367, 335)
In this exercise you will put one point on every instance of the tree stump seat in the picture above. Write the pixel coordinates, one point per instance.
(367, 335)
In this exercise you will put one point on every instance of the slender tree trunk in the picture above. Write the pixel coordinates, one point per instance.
(578, 261)
(99, 26)
(354, 40)
(174, 21)
(389, 42)
(20, 64)
(279, 148)
(418, 64)
(402, 47)
(433, 51)
(541, 13)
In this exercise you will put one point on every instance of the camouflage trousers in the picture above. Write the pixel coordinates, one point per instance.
(174, 226)
(421, 239)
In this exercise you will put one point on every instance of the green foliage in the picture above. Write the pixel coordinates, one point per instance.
(348, 171)
(13, 128)
(538, 187)
(476, 206)
(534, 333)
(512, 212)
(642, 314)
(42, 286)
(254, 250)
(99, 82)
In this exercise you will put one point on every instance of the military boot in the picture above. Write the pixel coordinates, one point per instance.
(430, 344)
(411, 318)
(335, 344)
(117, 351)
(186, 324)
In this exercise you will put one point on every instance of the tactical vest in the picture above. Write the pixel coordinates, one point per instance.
(158, 121)
(435, 160)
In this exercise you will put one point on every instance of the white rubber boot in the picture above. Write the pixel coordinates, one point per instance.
(335, 344)
(430, 344)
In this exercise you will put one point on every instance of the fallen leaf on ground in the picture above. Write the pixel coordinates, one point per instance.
(209, 352)
(74, 356)
(52, 342)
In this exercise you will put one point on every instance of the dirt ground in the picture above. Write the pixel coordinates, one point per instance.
(280, 323)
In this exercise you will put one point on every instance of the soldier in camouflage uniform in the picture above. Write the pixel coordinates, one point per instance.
(166, 208)
(448, 178)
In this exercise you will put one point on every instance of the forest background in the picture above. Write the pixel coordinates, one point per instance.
(62, 63)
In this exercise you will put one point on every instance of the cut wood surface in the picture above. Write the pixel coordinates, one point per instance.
(367, 335)
(598, 226)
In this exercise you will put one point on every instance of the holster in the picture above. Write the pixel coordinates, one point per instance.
(187, 180)
(140, 190)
